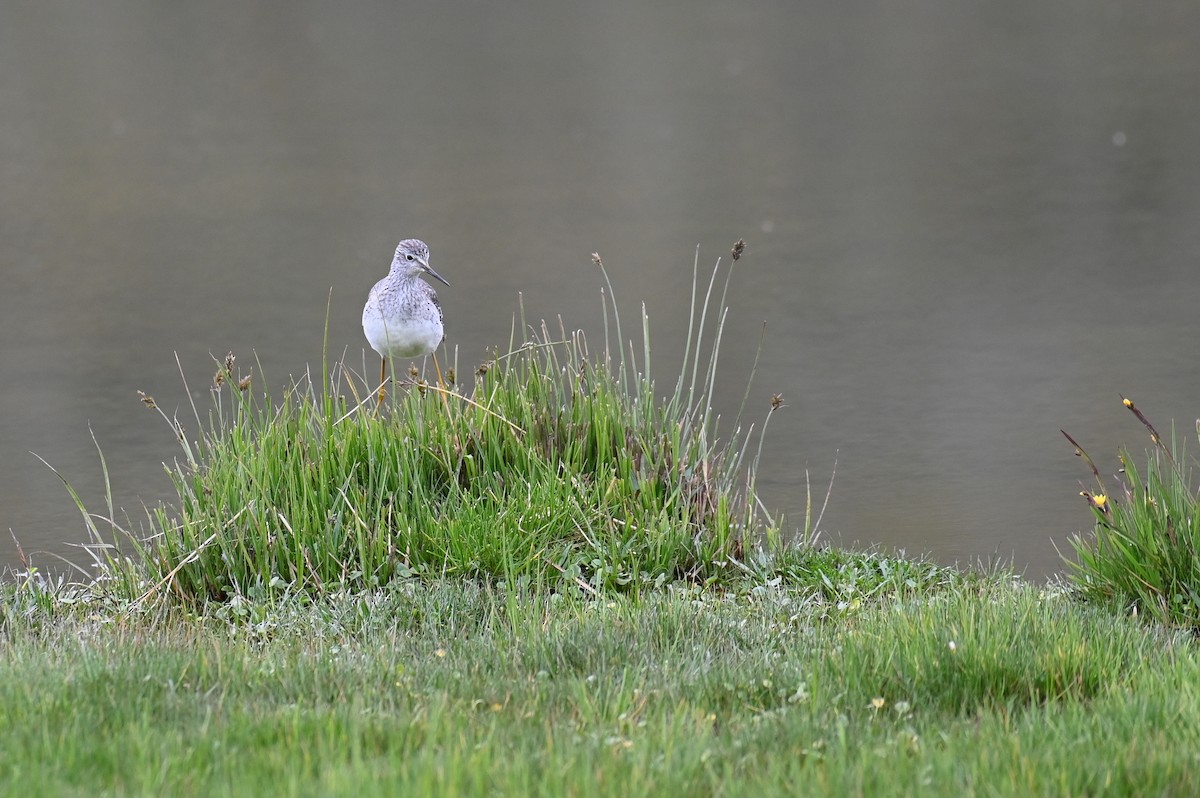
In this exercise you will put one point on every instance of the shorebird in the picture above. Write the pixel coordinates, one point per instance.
(402, 317)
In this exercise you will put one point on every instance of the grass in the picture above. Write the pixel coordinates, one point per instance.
(560, 581)
(1144, 551)
(962, 685)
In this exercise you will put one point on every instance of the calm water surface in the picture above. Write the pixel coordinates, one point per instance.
(969, 225)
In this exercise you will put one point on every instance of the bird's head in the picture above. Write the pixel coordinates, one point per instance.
(412, 258)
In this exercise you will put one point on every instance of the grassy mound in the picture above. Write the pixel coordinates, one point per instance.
(556, 466)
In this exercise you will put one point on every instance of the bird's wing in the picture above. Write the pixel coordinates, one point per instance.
(433, 298)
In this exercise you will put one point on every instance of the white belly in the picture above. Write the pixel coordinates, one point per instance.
(414, 338)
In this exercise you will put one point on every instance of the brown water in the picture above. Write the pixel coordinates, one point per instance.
(969, 225)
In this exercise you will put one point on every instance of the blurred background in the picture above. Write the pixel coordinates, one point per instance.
(968, 225)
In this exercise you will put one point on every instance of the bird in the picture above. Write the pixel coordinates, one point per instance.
(402, 317)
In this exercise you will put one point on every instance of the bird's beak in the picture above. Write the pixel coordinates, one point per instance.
(434, 274)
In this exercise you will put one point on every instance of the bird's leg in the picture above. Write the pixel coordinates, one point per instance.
(382, 381)
(441, 382)
(437, 370)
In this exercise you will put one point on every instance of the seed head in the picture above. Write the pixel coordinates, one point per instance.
(596, 260)
(739, 247)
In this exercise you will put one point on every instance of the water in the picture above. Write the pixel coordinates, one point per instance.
(969, 225)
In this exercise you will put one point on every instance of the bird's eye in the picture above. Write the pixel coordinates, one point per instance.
(409, 256)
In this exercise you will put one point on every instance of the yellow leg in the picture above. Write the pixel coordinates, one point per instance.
(441, 382)
(382, 381)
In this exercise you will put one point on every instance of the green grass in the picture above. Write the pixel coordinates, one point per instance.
(560, 581)
(960, 685)
(1143, 555)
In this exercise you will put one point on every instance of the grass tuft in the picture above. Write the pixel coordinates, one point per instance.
(1144, 551)
(557, 467)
